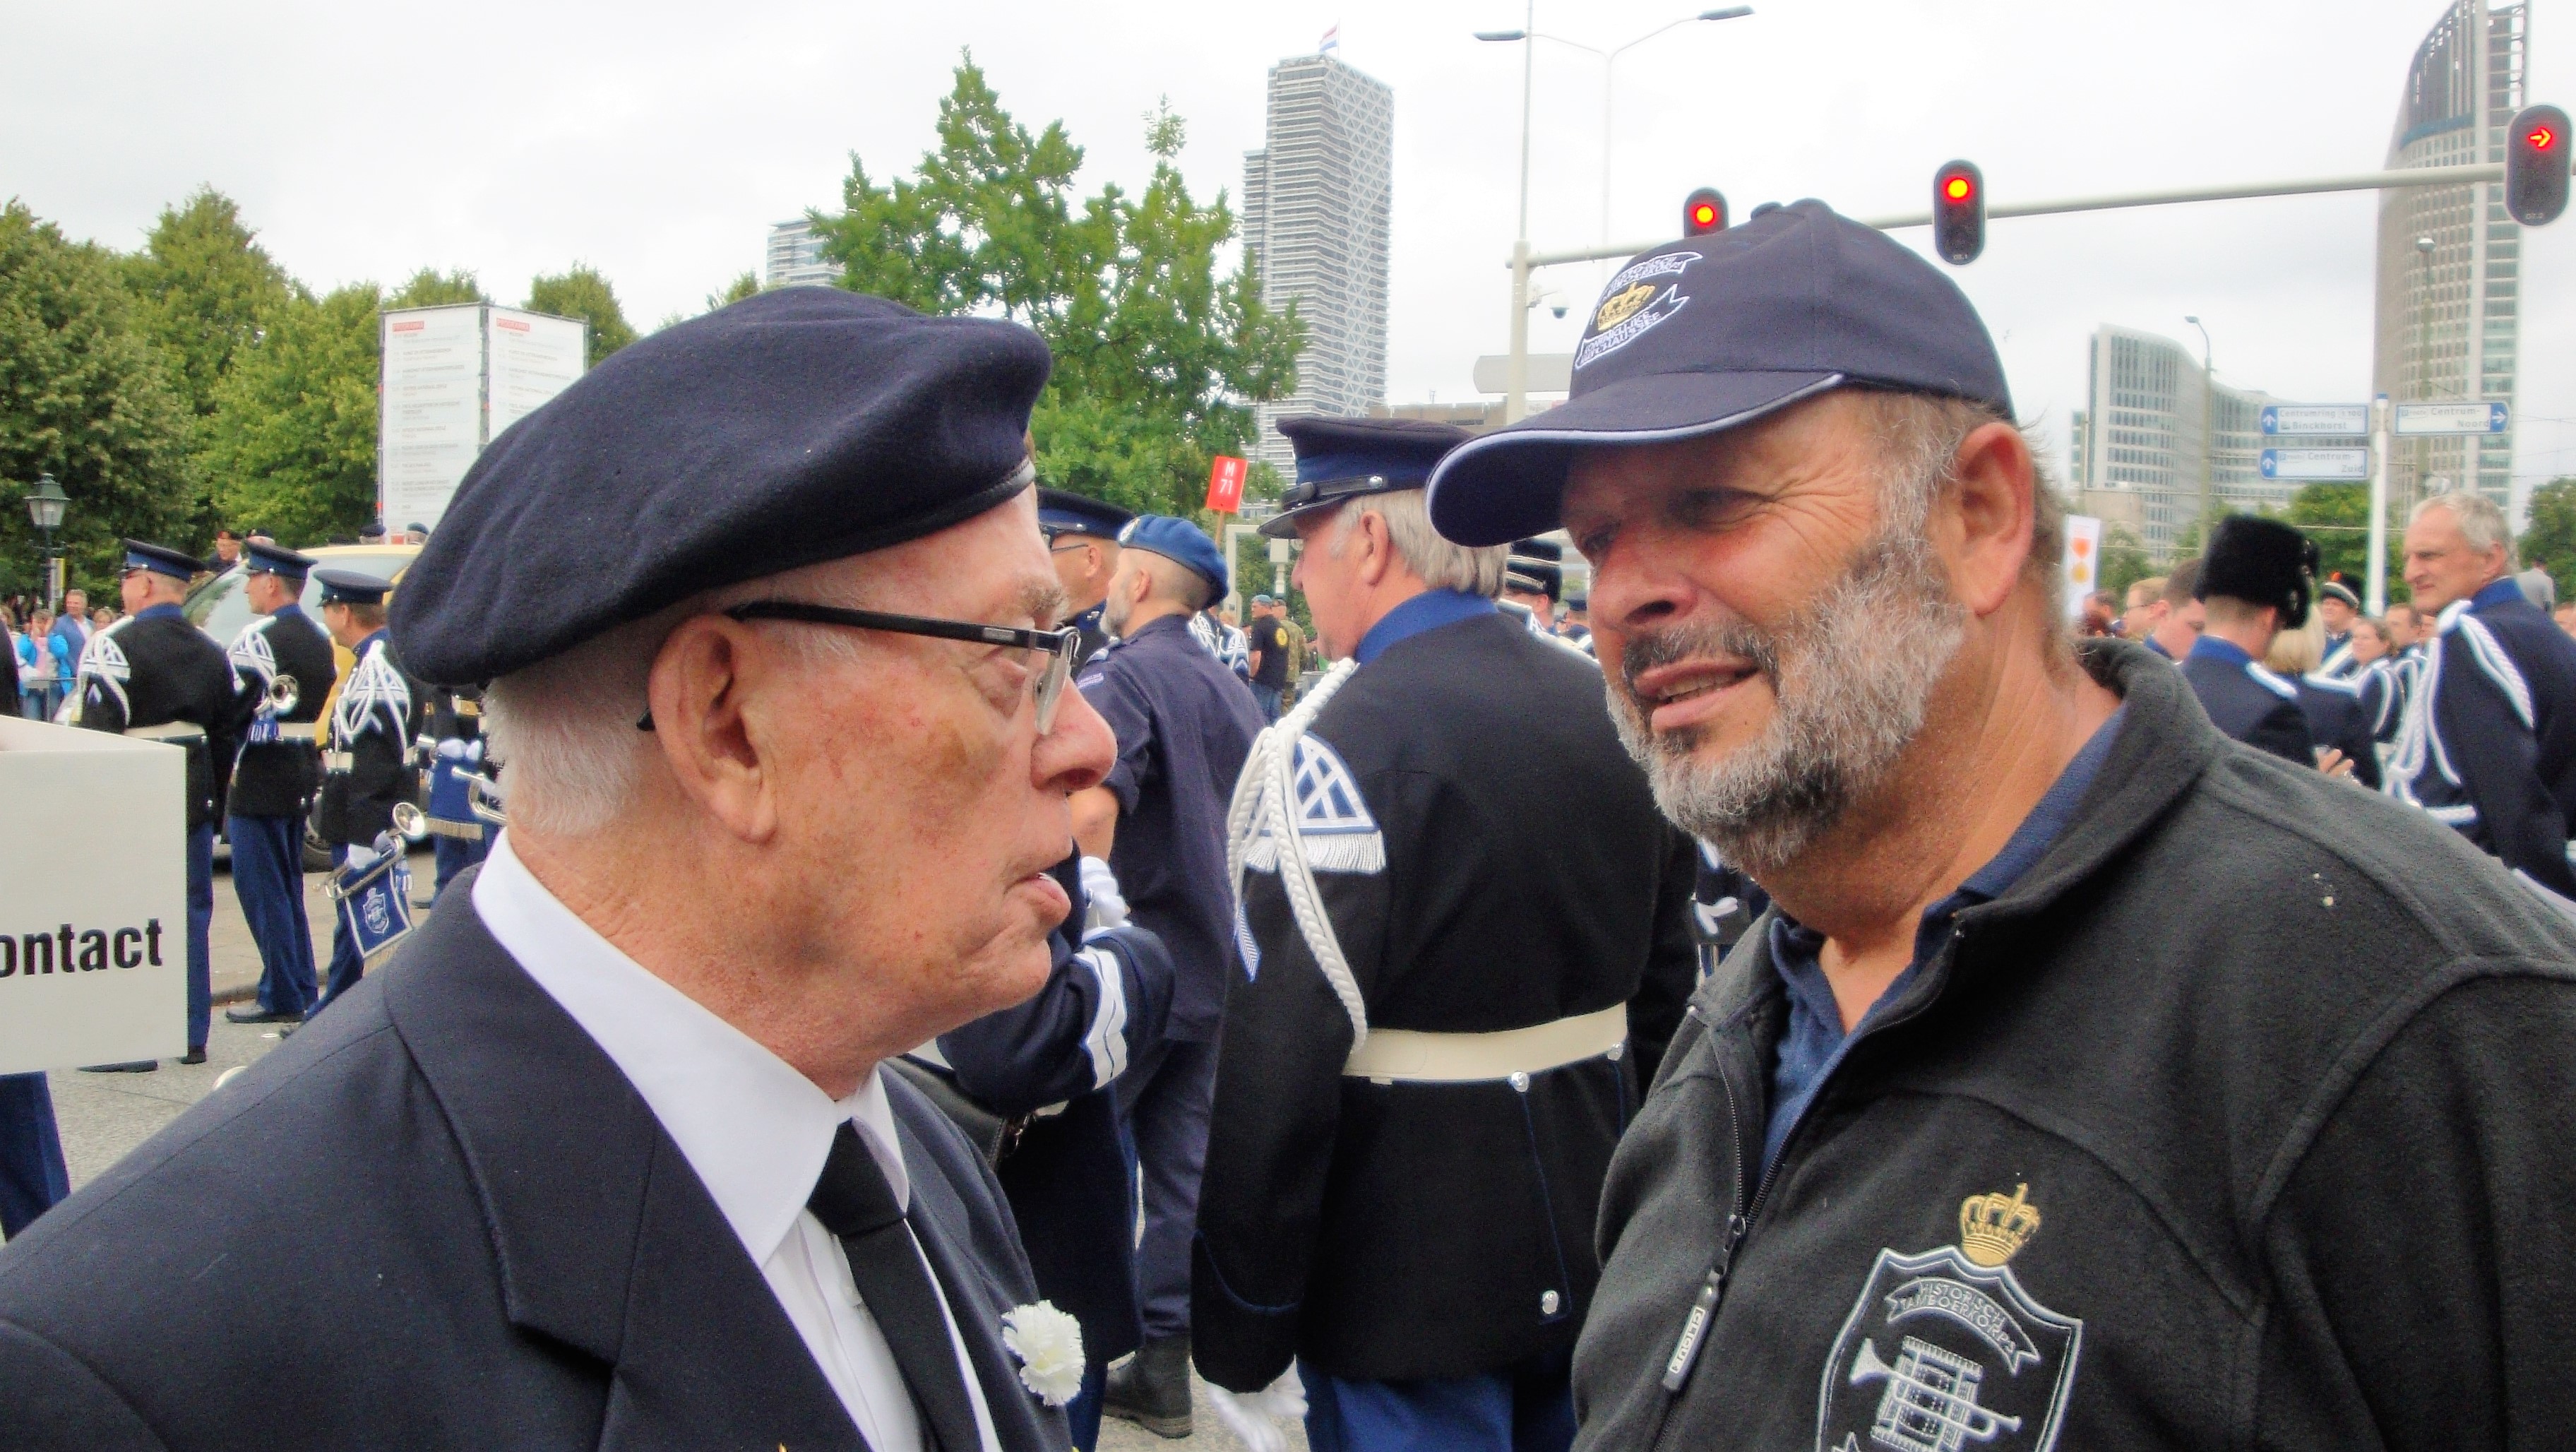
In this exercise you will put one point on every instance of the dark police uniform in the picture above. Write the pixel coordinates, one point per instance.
(2248, 702)
(1184, 723)
(448, 1172)
(2260, 562)
(2489, 742)
(454, 737)
(273, 785)
(368, 766)
(1051, 1067)
(154, 675)
(1410, 1219)
(1062, 515)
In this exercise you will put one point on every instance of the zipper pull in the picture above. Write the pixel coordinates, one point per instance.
(1703, 1309)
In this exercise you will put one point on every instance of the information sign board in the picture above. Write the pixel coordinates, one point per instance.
(432, 424)
(2316, 463)
(2451, 418)
(532, 358)
(2316, 420)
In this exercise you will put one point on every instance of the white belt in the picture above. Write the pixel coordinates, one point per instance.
(1390, 1055)
(441, 827)
(174, 731)
(339, 760)
(299, 730)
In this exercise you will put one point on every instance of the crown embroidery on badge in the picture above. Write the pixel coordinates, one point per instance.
(1994, 1228)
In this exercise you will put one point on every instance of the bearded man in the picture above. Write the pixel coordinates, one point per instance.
(2094, 1080)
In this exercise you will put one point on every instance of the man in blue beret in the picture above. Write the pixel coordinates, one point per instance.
(283, 670)
(1183, 723)
(154, 675)
(603, 1155)
(2093, 1080)
(1082, 539)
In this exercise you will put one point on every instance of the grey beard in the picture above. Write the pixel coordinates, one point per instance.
(1113, 617)
(1853, 676)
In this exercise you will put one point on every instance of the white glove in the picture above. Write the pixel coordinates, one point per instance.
(1108, 908)
(1256, 1417)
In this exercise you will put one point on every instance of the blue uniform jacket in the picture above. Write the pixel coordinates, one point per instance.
(1184, 726)
(2248, 703)
(2337, 717)
(1055, 1059)
(2489, 744)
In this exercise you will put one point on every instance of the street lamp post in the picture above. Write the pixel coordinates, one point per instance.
(2423, 357)
(45, 505)
(2208, 433)
(1516, 375)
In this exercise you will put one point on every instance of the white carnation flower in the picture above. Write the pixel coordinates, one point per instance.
(1049, 1345)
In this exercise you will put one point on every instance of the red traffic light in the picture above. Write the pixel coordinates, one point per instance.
(1703, 212)
(2535, 166)
(1959, 213)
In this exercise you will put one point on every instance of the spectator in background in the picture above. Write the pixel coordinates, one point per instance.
(2539, 589)
(67, 638)
(100, 619)
(228, 548)
(1268, 645)
(2101, 611)
(2184, 615)
(2145, 610)
(39, 690)
(10, 683)
(2338, 717)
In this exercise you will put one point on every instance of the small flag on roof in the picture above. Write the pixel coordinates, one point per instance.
(1332, 40)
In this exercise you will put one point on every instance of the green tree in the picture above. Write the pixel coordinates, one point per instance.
(430, 288)
(1158, 357)
(2337, 517)
(735, 291)
(84, 395)
(203, 287)
(2124, 560)
(291, 446)
(2549, 540)
(582, 293)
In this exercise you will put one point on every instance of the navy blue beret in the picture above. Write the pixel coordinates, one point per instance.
(1060, 513)
(178, 564)
(1340, 458)
(1180, 541)
(351, 587)
(791, 428)
(266, 557)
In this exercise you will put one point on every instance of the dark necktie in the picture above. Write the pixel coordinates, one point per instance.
(855, 1203)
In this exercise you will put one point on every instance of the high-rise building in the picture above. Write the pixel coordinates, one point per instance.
(1316, 201)
(796, 257)
(2144, 439)
(2449, 257)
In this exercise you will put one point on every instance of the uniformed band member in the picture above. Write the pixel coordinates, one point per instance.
(368, 766)
(152, 674)
(1467, 935)
(1184, 723)
(2254, 581)
(1533, 580)
(1577, 626)
(603, 1157)
(282, 673)
(2489, 741)
(1082, 537)
(453, 750)
(2338, 720)
(2092, 1082)
(2338, 605)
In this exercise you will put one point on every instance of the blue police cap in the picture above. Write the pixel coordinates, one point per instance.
(1707, 334)
(1060, 513)
(350, 587)
(1342, 458)
(791, 428)
(178, 564)
(1180, 541)
(1537, 566)
(264, 557)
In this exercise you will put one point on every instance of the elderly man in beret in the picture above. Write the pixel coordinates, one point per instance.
(604, 1158)
(2094, 1080)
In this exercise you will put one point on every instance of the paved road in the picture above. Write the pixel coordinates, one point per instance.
(103, 1116)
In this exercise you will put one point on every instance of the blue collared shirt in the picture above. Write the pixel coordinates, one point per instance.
(1813, 1043)
(1427, 611)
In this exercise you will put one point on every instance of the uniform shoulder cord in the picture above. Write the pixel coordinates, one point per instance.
(1266, 795)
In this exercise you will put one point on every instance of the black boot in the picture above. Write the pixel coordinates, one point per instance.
(1153, 1388)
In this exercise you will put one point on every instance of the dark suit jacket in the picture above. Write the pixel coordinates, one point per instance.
(2251, 712)
(441, 1217)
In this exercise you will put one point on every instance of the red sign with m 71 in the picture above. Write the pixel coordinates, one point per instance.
(1225, 484)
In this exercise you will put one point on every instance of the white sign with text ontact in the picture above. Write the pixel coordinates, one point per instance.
(93, 898)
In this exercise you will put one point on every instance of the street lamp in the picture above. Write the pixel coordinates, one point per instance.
(2423, 355)
(45, 505)
(1516, 384)
(2208, 432)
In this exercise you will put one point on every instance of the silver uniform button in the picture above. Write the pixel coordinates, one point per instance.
(1617, 1049)
(1547, 1303)
(1520, 1084)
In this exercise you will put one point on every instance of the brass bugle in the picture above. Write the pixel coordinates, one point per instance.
(282, 695)
(411, 822)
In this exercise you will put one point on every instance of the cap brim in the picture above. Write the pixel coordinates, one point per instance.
(1510, 484)
(1283, 525)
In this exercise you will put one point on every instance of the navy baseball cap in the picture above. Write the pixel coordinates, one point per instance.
(1177, 540)
(1703, 335)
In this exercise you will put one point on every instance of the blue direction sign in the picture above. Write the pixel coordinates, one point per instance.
(2451, 418)
(2314, 420)
(2312, 464)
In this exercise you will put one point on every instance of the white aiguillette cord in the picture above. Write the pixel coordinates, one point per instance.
(1266, 793)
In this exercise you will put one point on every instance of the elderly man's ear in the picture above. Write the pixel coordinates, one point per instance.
(706, 708)
(1983, 526)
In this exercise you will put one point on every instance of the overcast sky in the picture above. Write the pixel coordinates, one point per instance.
(657, 141)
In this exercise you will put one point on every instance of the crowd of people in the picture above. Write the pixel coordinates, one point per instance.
(938, 986)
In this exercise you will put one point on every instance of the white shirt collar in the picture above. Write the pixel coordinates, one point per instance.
(755, 1130)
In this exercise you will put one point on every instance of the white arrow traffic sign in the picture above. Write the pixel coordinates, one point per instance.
(2312, 420)
(2451, 418)
(2316, 463)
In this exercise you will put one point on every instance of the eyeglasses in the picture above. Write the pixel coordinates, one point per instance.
(1058, 646)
